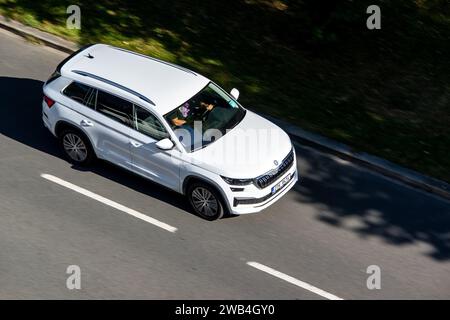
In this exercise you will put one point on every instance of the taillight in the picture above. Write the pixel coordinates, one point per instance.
(49, 101)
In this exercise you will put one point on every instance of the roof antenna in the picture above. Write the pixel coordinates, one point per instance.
(90, 56)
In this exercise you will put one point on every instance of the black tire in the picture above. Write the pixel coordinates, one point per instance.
(214, 212)
(86, 154)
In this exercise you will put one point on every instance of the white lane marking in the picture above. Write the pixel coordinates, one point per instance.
(108, 202)
(293, 281)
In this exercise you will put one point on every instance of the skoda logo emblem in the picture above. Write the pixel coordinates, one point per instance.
(275, 162)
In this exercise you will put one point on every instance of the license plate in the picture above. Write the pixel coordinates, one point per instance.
(281, 184)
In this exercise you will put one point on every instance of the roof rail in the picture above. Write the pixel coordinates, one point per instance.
(115, 84)
(157, 60)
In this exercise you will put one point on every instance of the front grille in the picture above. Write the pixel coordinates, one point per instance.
(244, 201)
(267, 178)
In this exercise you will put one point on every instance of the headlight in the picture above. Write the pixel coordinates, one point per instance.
(237, 182)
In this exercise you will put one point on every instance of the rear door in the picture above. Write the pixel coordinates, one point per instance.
(113, 127)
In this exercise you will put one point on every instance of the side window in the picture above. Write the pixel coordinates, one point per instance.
(91, 101)
(115, 108)
(78, 92)
(148, 124)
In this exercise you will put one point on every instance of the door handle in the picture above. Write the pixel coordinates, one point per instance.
(86, 123)
(135, 144)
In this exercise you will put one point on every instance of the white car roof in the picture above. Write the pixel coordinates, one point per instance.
(164, 86)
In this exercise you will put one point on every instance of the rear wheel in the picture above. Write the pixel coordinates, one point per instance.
(76, 147)
(205, 201)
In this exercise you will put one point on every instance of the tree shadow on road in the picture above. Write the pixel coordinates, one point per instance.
(341, 193)
(20, 119)
(360, 201)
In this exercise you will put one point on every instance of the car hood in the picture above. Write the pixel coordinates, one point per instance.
(252, 148)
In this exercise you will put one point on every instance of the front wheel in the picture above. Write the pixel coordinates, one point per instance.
(205, 201)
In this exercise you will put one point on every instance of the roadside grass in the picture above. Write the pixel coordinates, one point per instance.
(312, 63)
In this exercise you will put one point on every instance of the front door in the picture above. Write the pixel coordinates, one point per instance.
(161, 166)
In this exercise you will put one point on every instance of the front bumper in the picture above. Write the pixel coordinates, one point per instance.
(258, 201)
(253, 200)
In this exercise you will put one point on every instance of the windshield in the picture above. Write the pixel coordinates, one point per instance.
(205, 117)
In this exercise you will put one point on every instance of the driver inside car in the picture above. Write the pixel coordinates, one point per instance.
(185, 112)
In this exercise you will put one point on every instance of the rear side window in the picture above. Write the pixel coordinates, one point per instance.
(115, 108)
(78, 92)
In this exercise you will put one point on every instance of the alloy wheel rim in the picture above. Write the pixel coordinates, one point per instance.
(75, 147)
(204, 201)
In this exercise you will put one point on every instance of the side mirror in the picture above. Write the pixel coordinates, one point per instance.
(234, 93)
(165, 144)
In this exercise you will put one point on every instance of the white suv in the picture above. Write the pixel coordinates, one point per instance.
(170, 125)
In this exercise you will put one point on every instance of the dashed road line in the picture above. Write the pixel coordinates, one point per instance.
(108, 202)
(293, 280)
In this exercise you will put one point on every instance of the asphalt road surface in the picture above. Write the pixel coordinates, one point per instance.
(315, 243)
